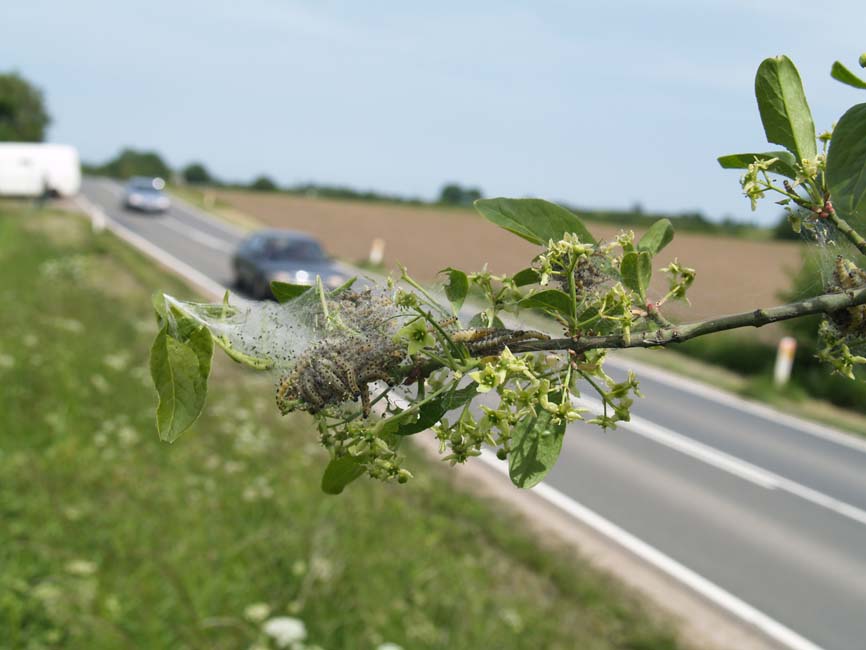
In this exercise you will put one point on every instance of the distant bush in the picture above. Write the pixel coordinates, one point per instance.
(736, 352)
(197, 174)
(130, 162)
(454, 194)
(263, 184)
(23, 116)
(343, 192)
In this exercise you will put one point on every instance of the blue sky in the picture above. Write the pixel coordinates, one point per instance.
(597, 104)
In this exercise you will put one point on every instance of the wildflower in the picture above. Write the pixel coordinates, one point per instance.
(488, 378)
(285, 630)
(417, 335)
(257, 612)
(81, 567)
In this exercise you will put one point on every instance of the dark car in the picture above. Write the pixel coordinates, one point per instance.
(145, 194)
(284, 256)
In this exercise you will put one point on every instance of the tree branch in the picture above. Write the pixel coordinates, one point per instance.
(823, 304)
(845, 228)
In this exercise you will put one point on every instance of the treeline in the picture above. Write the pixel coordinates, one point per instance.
(130, 162)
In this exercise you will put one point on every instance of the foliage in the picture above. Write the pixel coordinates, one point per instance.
(263, 184)
(23, 115)
(131, 162)
(197, 174)
(475, 382)
(108, 543)
(454, 194)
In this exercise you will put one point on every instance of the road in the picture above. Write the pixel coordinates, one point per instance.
(762, 514)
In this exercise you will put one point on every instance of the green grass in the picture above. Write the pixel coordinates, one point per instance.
(112, 539)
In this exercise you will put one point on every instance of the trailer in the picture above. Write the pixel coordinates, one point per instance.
(35, 169)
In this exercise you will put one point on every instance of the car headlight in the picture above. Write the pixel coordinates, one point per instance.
(292, 277)
(135, 199)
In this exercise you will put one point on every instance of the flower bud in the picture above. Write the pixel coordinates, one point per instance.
(863, 60)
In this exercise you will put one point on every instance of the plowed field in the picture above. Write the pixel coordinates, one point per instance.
(733, 274)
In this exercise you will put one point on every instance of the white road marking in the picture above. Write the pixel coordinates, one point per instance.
(197, 235)
(731, 464)
(195, 213)
(709, 590)
(202, 281)
(641, 549)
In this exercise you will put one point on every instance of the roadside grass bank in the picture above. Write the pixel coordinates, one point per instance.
(111, 538)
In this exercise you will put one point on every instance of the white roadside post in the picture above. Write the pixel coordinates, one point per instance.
(784, 360)
(377, 251)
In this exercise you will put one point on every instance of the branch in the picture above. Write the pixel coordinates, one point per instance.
(844, 227)
(823, 304)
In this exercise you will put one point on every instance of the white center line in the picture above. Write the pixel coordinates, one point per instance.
(197, 235)
(731, 464)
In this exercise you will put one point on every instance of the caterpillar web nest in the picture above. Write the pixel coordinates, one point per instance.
(325, 349)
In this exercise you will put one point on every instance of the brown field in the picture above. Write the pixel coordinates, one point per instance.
(733, 274)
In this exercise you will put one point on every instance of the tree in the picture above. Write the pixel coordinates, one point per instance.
(23, 116)
(454, 194)
(197, 174)
(330, 346)
(263, 184)
(130, 162)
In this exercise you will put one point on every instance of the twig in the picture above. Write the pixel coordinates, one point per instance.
(824, 304)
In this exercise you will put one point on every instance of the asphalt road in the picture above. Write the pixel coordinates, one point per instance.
(765, 507)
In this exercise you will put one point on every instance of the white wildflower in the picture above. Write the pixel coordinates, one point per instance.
(100, 383)
(117, 361)
(389, 646)
(285, 630)
(81, 567)
(257, 612)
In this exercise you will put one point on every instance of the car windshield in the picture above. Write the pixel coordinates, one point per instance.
(145, 184)
(294, 249)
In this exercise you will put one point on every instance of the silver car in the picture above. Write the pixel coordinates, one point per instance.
(146, 195)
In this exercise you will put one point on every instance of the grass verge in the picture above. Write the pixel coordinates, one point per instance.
(111, 538)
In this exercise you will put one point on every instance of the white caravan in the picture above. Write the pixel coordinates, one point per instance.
(34, 169)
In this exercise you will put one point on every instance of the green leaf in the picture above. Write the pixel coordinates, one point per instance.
(840, 73)
(784, 166)
(525, 277)
(549, 300)
(435, 410)
(784, 111)
(535, 220)
(457, 287)
(480, 320)
(846, 166)
(659, 235)
(636, 270)
(284, 292)
(535, 446)
(180, 371)
(339, 473)
(344, 287)
(159, 307)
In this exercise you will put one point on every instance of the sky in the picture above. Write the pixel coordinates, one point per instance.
(602, 105)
